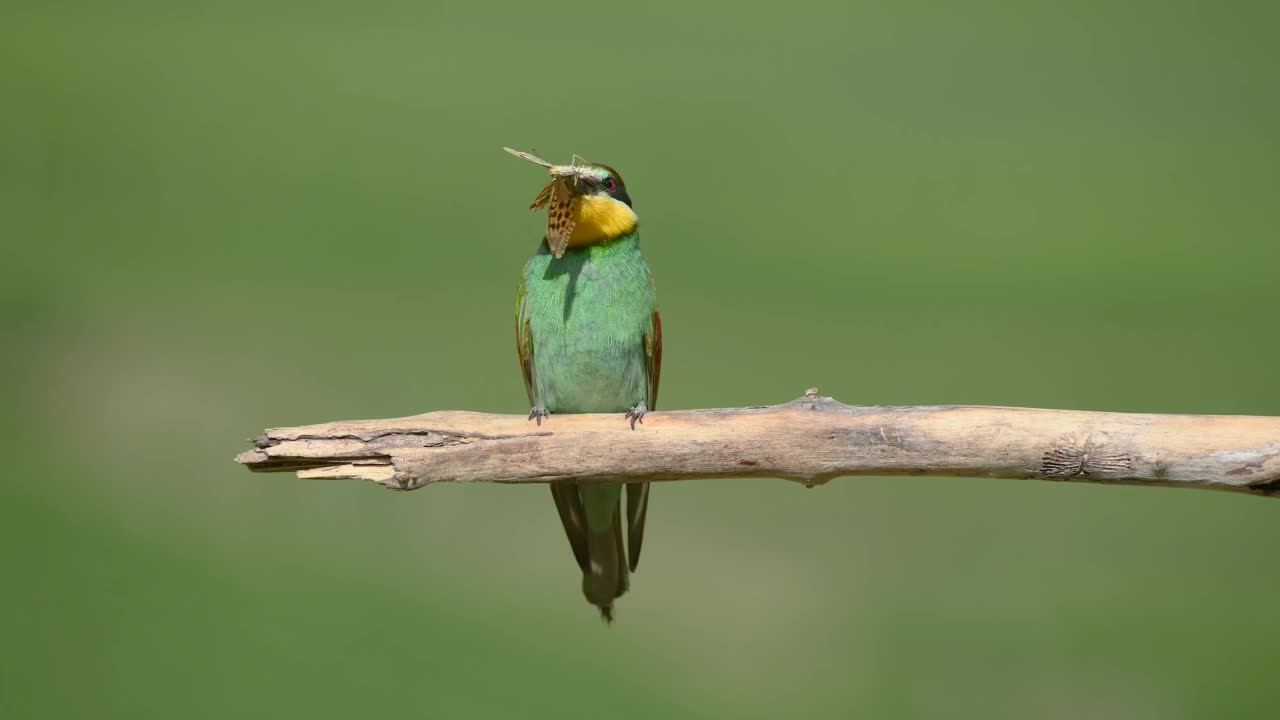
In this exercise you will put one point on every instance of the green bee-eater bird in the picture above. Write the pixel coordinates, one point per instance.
(590, 341)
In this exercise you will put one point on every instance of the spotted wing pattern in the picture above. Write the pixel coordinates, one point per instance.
(559, 217)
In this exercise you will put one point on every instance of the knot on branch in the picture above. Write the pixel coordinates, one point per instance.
(811, 400)
(1094, 457)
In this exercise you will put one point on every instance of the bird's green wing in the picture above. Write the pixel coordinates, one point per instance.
(568, 504)
(638, 493)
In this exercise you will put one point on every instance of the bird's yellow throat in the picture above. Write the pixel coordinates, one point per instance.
(599, 219)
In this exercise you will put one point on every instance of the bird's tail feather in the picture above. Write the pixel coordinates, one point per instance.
(605, 577)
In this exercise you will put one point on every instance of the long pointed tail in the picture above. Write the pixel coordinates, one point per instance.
(592, 521)
(605, 577)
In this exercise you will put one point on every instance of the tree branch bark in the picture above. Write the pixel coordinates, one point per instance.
(811, 439)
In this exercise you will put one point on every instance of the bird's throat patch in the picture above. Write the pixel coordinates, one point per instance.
(599, 219)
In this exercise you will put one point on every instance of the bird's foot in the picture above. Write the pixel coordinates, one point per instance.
(538, 413)
(636, 414)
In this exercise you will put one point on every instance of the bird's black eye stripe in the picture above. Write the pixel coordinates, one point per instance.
(621, 195)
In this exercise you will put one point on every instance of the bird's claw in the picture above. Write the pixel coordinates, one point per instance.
(538, 413)
(636, 414)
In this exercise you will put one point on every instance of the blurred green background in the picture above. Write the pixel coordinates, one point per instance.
(227, 216)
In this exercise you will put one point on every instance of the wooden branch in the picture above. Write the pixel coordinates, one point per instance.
(811, 440)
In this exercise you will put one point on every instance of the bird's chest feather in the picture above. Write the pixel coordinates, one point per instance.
(588, 313)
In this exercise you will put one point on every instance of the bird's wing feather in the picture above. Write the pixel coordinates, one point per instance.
(653, 357)
(638, 493)
(574, 519)
(524, 341)
(637, 509)
(569, 505)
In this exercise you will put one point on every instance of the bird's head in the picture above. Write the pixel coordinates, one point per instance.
(587, 204)
(595, 179)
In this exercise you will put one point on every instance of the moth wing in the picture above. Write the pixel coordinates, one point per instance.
(559, 218)
(544, 197)
(528, 156)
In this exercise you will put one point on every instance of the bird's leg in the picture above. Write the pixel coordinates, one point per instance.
(537, 413)
(636, 414)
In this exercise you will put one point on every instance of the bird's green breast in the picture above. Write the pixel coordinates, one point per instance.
(587, 315)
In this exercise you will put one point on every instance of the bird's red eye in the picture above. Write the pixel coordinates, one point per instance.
(610, 185)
